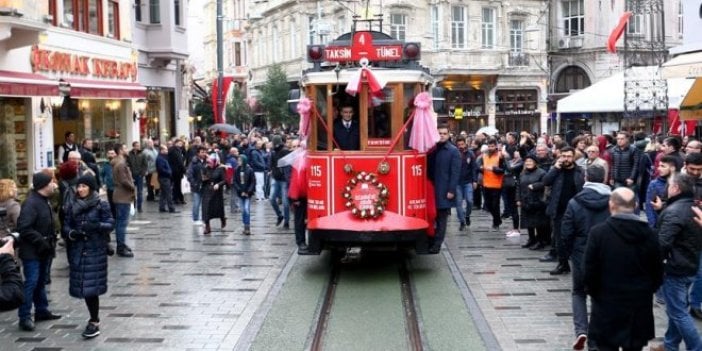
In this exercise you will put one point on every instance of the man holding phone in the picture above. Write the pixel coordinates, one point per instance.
(565, 180)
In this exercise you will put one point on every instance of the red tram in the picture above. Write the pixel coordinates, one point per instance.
(377, 195)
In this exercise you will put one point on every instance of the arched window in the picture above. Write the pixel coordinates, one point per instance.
(571, 78)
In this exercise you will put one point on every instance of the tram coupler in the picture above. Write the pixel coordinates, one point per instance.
(352, 254)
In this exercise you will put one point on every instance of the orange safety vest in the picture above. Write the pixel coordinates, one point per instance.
(491, 180)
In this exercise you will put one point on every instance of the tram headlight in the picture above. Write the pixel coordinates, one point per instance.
(315, 53)
(411, 51)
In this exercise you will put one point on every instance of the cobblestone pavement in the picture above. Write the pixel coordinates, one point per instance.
(526, 308)
(186, 291)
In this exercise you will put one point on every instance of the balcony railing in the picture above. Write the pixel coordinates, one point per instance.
(518, 59)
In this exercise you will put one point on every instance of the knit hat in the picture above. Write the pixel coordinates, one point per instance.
(532, 157)
(40, 180)
(88, 180)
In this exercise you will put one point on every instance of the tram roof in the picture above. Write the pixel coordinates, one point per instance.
(390, 75)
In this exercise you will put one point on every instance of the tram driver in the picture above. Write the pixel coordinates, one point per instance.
(347, 130)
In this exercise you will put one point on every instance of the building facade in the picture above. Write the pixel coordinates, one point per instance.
(578, 31)
(160, 38)
(487, 58)
(76, 66)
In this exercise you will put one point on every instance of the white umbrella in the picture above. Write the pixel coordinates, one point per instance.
(489, 130)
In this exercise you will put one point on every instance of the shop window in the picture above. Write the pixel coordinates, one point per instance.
(13, 141)
(113, 19)
(516, 110)
(572, 78)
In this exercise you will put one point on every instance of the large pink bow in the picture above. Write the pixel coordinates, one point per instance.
(375, 84)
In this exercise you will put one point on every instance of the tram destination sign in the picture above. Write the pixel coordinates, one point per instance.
(391, 52)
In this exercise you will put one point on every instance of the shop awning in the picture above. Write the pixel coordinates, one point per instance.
(607, 95)
(98, 89)
(683, 66)
(26, 84)
(691, 106)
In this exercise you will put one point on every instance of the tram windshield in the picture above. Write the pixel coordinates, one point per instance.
(361, 122)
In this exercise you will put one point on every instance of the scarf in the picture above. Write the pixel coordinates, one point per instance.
(83, 205)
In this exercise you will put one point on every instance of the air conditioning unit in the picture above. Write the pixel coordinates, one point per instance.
(564, 43)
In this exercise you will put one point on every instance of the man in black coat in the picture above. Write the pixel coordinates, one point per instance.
(37, 246)
(346, 130)
(565, 179)
(589, 207)
(11, 295)
(681, 241)
(622, 269)
(444, 170)
(177, 162)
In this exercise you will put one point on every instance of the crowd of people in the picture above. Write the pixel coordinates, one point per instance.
(582, 196)
(617, 211)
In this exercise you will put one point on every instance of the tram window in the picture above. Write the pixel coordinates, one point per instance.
(321, 102)
(379, 115)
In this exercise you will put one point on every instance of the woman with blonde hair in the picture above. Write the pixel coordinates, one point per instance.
(8, 201)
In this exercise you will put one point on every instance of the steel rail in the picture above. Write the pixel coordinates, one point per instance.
(409, 307)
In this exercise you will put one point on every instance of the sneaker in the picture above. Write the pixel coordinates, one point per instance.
(579, 343)
(286, 226)
(91, 331)
(280, 220)
(198, 223)
(124, 251)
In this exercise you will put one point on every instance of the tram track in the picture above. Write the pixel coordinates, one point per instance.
(411, 321)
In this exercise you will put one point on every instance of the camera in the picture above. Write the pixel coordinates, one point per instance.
(14, 236)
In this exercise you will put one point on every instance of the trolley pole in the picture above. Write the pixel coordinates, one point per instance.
(220, 66)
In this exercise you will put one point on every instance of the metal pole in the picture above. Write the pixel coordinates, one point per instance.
(220, 65)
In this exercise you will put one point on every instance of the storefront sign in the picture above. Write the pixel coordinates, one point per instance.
(81, 65)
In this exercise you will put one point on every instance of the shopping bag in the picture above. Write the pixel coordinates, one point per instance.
(132, 210)
(154, 181)
(185, 186)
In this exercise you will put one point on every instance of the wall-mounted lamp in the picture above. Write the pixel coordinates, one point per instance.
(84, 104)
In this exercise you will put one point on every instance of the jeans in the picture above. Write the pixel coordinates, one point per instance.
(166, 197)
(696, 290)
(197, 201)
(245, 205)
(464, 192)
(579, 296)
(139, 184)
(34, 289)
(492, 203)
(260, 183)
(233, 201)
(280, 189)
(680, 324)
(121, 222)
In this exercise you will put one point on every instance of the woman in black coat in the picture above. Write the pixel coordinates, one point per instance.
(86, 232)
(213, 181)
(530, 198)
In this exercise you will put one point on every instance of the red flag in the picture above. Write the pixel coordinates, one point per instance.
(219, 116)
(676, 126)
(617, 32)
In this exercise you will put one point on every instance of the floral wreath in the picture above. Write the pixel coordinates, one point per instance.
(378, 205)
